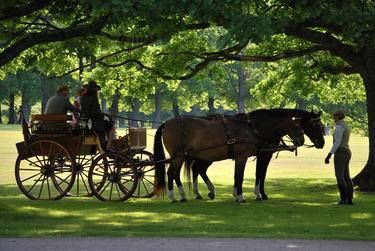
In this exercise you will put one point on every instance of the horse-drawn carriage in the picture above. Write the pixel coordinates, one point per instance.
(57, 159)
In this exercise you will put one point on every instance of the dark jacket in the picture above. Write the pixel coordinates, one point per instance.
(91, 109)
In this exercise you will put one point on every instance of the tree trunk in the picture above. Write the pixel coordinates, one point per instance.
(25, 106)
(176, 108)
(1, 114)
(103, 103)
(301, 104)
(12, 112)
(80, 62)
(365, 180)
(45, 94)
(115, 101)
(135, 105)
(211, 106)
(157, 114)
(241, 89)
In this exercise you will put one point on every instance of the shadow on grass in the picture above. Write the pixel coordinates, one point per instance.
(298, 208)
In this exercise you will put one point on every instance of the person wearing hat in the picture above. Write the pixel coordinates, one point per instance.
(59, 103)
(342, 157)
(91, 109)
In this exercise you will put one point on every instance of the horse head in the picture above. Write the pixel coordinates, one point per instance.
(273, 124)
(293, 128)
(313, 128)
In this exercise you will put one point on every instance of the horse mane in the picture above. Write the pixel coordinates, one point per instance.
(283, 112)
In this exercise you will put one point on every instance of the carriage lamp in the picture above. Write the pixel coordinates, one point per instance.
(84, 123)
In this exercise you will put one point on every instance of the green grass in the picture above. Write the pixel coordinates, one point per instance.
(301, 191)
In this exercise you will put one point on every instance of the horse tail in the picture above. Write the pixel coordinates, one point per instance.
(159, 156)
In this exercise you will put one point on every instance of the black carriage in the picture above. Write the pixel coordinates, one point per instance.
(59, 157)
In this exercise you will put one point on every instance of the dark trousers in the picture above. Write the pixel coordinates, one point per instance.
(344, 183)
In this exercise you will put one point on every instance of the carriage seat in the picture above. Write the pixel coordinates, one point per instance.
(51, 117)
(51, 124)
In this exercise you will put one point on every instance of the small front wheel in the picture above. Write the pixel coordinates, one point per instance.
(113, 177)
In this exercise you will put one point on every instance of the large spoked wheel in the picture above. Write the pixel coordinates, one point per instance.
(81, 187)
(44, 170)
(146, 173)
(113, 177)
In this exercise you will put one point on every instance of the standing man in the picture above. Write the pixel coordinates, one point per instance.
(342, 157)
(59, 103)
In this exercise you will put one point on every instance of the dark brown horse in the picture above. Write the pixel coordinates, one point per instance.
(209, 140)
(311, 125)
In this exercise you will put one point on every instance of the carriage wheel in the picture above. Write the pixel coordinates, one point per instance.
(113, 177)
(146, 173)
(44, 170)
(81, 187)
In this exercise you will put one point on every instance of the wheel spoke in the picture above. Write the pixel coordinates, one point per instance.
(84, 183)
(148, 181)
(77, 181)
(63, 180)
(41, 175)
(118, 192)
(144, 185)
(31, 177)
(41, 188)
(104, 187)
(49, 191)
(110, 192)
(33, 163)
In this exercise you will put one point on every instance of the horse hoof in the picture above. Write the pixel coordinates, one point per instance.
(258, 199)
(211, 195)
(183, 200)
(241, 201)
(198, 197)
(264, 197)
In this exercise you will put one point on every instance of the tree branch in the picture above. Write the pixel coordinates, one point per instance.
(332, 44)
(11, 12)
(52, 36)
(128, 39)
(192, 73)
(100, 60)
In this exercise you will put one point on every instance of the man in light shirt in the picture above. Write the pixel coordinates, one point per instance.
(59, 103)
(342, 157)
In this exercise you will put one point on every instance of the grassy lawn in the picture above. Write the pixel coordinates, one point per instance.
(301, 191)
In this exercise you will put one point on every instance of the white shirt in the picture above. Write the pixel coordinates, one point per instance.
(337, 136)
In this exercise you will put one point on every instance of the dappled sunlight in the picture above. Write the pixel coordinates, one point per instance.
(279, 196)
(309, 204)
(338, 225)
(361, 216)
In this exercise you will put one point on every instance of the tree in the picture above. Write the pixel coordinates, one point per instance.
(337, 34)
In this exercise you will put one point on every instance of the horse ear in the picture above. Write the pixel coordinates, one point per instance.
(319, 113)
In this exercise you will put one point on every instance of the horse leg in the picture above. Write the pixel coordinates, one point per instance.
(210, 186)
(263, 160)
(240, 163)
(173, 171)
(195, 168)
(181, 191)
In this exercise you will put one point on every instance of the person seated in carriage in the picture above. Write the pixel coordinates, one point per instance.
(59, 103)
(90, 108)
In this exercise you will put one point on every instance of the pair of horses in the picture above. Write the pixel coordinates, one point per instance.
(201, 141)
